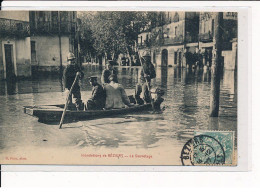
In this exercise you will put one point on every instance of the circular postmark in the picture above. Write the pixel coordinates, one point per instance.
(202, 150)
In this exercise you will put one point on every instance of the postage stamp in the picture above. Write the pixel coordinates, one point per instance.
(209, 148)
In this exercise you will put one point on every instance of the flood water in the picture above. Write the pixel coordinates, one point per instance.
(186, 108)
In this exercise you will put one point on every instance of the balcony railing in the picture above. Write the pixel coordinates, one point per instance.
(162, 41)
(173, 41)
(14, 27)
(53, 27)
(191, 38)
(207, 37)
(145, 44)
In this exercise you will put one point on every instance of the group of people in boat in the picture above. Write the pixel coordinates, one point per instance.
(110, 94)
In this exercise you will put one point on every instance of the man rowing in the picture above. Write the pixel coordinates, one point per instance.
(146, 74)
(69, 76)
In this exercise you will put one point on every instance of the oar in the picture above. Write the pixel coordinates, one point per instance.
(148, 86)
(67, 100)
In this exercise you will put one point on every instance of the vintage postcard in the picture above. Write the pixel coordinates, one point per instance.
(119, 88)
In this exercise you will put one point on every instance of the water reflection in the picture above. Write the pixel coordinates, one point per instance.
(229, 83)
(164, 72)
(187, 95)
(206, 76)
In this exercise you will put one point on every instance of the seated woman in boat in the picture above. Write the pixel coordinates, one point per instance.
(98, 97)
(115, 95)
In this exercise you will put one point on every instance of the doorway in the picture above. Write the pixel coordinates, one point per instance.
(9, 62)
(164, 57)
(175, 58)
(180, 59)
(33, 52)
(164, 68)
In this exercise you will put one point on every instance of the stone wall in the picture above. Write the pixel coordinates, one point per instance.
(230, 57)
(48, 52)
(23, 57)
(15, 15)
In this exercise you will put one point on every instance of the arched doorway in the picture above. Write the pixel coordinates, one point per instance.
(164, 68)
(164, 58)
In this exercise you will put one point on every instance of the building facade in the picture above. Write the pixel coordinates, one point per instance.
(53, 36)
(229, 39)
(186, 38)
(36, 41)
(15, 54)
(168, 42)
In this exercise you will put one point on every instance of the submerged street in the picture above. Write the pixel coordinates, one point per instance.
(185, 109)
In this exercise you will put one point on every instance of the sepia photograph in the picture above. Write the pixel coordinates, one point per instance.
(118, 87)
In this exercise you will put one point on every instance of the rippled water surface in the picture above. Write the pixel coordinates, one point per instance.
(186, 108)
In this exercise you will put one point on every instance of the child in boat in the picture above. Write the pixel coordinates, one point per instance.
(115, 95)
(98, 97)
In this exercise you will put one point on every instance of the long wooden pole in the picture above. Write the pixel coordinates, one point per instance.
(67, 101)
(216, 65)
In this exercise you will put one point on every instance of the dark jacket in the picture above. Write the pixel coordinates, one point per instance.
(148, 69)
(98, 96)
(69, 75)
(105, 75)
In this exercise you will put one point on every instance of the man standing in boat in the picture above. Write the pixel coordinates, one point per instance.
(146, 74)
(69, 76)
(110, 70)
(98, 97)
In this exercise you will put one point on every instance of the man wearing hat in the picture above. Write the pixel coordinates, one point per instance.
(147, 72)
(69, 75)
(98, 97)
(110, 70)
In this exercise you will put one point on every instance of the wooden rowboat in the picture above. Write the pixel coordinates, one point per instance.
(53, 113)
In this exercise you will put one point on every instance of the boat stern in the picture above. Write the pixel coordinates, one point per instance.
(28, 110)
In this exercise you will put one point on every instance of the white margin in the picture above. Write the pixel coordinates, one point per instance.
(244, 84)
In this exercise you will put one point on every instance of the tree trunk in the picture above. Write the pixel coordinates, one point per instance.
(216, 65)
(105, 59)
(112, 57)
(129, 57)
